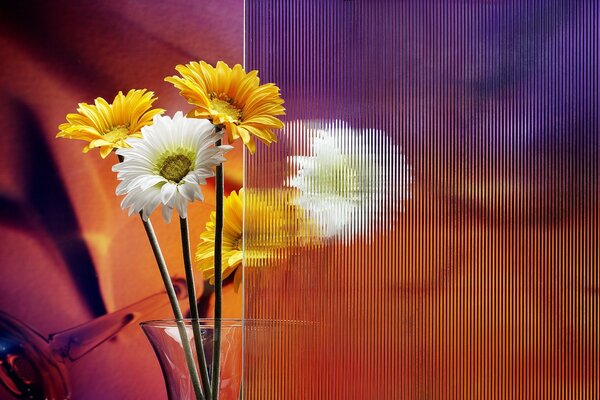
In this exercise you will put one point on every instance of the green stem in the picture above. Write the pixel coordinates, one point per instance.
(191, 287)
(164, 273)
(219, 183)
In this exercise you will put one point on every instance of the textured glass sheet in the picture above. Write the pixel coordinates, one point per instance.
(428, 221)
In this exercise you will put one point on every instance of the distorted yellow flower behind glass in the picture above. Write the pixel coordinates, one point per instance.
(107, 126)
(232, 241)
(273, 228)
(233, 99)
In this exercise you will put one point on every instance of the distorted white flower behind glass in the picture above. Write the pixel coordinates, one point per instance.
(352, 181)
(167, 165)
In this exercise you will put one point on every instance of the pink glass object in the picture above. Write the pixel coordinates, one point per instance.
(34, 366)
(166, 342)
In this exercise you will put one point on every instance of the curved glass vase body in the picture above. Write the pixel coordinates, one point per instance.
(166, 341)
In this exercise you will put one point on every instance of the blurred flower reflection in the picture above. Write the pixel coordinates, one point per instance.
(352, 180)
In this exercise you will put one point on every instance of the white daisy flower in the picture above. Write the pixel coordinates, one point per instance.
(353, 180)
(167, 165)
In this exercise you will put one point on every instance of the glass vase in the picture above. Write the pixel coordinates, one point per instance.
(165, 338)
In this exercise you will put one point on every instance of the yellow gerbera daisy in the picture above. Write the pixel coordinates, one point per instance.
(106, 125)
(232, 241)
(232, 98)
(273, 226)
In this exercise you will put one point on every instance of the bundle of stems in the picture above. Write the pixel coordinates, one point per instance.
(205, 387)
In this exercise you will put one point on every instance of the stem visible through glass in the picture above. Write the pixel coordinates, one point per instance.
(191, 287)
(164, 273)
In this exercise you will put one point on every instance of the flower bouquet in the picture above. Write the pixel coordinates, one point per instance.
(164, 160)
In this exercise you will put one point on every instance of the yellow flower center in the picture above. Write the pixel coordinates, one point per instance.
(175, 167)
(116, 133)
(222, 104)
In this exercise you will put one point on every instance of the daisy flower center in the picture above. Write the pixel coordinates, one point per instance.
(175, 167)
(223, 104)
(337, 179)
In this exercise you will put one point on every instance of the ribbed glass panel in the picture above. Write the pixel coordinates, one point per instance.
(427, 224)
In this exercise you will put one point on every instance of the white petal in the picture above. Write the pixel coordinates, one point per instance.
(151, 200)
(167, 192)
(181, 205)
(198, 193)
(190, 178)
(151, 181)
(187, 191)
(121, 188)
(166, 213)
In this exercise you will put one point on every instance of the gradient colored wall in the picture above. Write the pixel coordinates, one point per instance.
(68, 254)
(476, 276)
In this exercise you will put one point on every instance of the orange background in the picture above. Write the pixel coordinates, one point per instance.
(68, 252)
